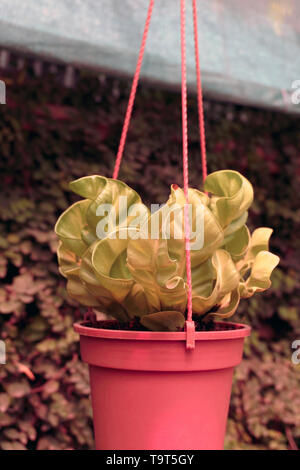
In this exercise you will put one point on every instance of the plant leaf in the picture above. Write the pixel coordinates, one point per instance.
(203, 277)
(88, 187)
(67, 260)
(151, 266)
(94, 286)
(259, 241)
(78, 291)
(234, 226)
(164, 321)
(227, 279)
(232, 195)
(238, 243)
(70, 225)
(108, 261)
(121, 198)
(228, 305)
(201, 219)
(259, 279)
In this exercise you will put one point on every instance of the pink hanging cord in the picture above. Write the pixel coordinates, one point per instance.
(133, 92)
(199, 94)
(189, 324)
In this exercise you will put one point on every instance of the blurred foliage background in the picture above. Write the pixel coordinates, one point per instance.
(50, 135)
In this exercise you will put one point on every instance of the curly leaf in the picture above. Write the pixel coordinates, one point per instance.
(259, 241)
(136, 303)
(109, 263)
(70, 225)
(227, 279)
(259, 278)
(94, 285)
(77, 290)
(232, 195)
(208, 232)
(151, 266)
(92, 282)
(112, 204)
(88, 187)
(203, 277)
(228, 305)
(67, 260)
(234, 226)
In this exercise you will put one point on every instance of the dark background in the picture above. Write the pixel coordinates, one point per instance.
(50, 135)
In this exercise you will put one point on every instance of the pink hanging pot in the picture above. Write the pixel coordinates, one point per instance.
(149, 392)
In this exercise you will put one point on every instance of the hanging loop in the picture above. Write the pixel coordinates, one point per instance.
(189, 324)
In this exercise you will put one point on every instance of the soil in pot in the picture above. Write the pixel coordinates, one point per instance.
(135, 325)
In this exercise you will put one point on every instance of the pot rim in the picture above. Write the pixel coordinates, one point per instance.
(240, 331)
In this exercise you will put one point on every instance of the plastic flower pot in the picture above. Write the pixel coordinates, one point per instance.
(149, 392)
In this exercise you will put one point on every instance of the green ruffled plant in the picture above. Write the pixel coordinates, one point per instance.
(127, 274)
